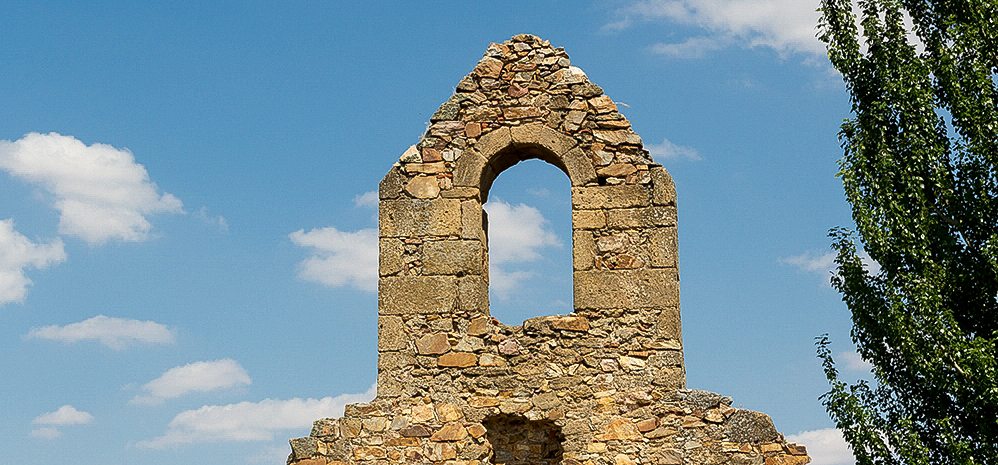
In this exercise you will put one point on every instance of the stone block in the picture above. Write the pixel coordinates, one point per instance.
(663, 189)
(752, 427)
(473, 294)
(627, 218)
(413, 295)
(641, 288)
(472, 226)
(392, 333)
(460, 193)
(669, 378)
(468, 170)
(492, 142)
(450, 257)
(539, 134)
(391, 185)
(390, 257)
(588, 219)
(457, 360)
(579, 166)
(663, 247)
(614, 196)
(432, 344)
(668, 324)
(420, 218)
(583, 250)
(423, 187)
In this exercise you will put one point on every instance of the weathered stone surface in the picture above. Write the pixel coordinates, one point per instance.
(663, 248)
(408, 295)
(607, 289)
(392, 334)
(588, 219)
(570, 323)
(432, 344)
(423, 187)
(621, 429)
(628, 218)
(605, 384)
(751, 427)
(390, 260)
(619, 196)
(457, 360)
(450, 432)
(583, 250)
(452, 257)
(417, 218)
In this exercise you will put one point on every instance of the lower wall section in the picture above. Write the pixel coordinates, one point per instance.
(610, 428)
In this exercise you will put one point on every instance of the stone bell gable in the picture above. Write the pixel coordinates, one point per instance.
(604, 385)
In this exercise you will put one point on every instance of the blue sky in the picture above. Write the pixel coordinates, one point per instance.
(185, 241)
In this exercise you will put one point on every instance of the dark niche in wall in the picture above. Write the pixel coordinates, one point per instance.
(516, 440)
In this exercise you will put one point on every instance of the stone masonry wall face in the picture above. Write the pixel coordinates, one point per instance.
(604, 385)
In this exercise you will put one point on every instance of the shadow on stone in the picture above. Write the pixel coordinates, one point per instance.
(516, 440)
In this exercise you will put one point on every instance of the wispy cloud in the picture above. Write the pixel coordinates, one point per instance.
(367, 199)
(193, 377)
(67, 415)
(46, 432)
(854, 362)
(667, 150)
(251, 421)
(825, 446)
(824, 263)
(100, 191)
(693, 47)
(207, 217)
(116, 333)
(786, 26)
(517, 234)
(64, 416)
(339, 258)
(18, 253)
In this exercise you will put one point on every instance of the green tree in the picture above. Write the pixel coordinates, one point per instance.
(920, 169)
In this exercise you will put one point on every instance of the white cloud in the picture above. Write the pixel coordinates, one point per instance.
(812, 262)
(46, 432)
(18, 253)
(824, 263)
(116, 333)
(339, 258)
(65, 416)
(825, 446)
(251, 421)
(787, 26)
(193, 377)
(367, 199)
(693, 47)
(502, 283)
(854, 362)
(667, 150)
(100, 191)
(207, 217)
(517, 234)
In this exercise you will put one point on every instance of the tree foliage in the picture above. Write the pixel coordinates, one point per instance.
(920, 169)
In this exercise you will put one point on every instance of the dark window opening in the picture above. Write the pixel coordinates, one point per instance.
(515, 440)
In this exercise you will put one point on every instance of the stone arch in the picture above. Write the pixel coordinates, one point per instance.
(502, 148)
(520, 104)
(605, 384)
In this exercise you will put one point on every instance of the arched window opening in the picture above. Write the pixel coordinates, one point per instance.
(529, 221)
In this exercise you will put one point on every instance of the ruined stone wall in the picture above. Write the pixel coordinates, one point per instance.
(604, 385)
